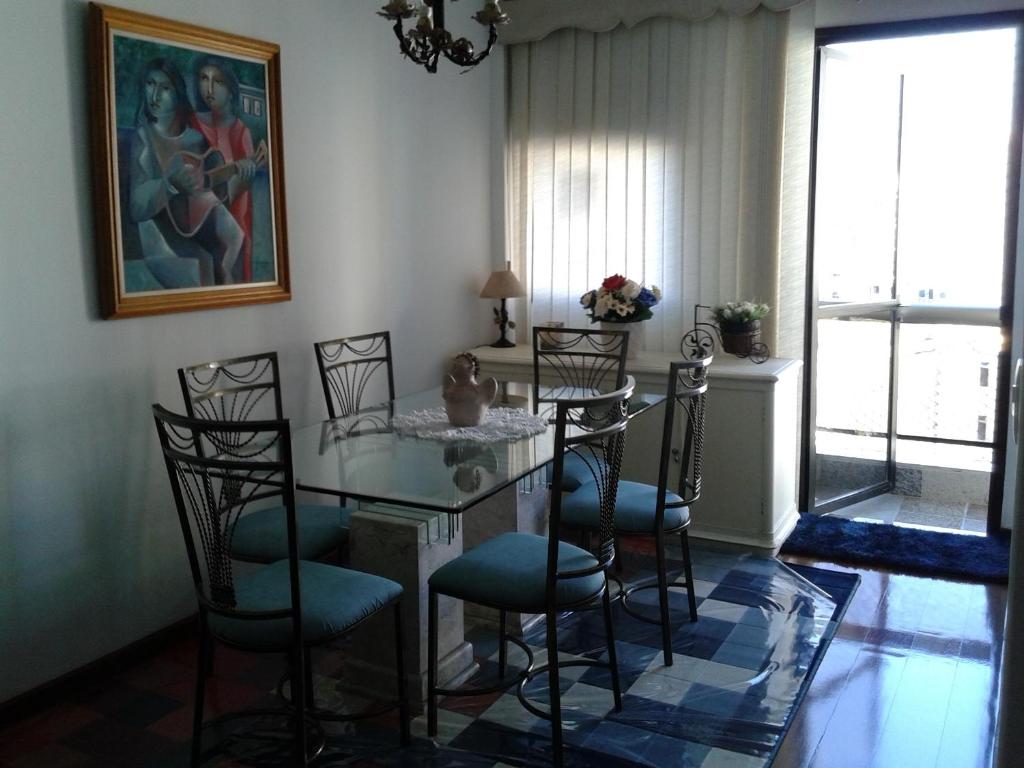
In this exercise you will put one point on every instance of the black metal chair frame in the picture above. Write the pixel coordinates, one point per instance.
(211, 488)
(686, 394)
(348, 364)
(231, 390)
(590, 427)
(586, 358)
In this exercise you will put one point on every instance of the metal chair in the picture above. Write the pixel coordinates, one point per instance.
(587, 359)
(539, 574)
(247, 389)
(659, 511)
(238, 389)
(351, 364)
(217, 469)
(581, 358)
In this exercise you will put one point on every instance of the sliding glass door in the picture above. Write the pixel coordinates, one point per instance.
(906, 340)
(855, 238)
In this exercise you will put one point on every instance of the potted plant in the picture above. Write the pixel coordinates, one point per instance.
(739, 323)
(620, 300)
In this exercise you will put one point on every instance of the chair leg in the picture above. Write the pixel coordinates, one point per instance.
(502, 644)
(688, 570)
(666, 630)
(209, 659)
(299, 702)
(432, 664)
(202, 669)
(403, 697)
(613, 661)
(307, 663)
(555, 693)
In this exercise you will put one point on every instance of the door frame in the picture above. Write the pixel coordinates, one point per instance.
(863, 32)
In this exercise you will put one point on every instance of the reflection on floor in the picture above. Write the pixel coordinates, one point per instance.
(738, 675)
(910, 679)
(917, 512)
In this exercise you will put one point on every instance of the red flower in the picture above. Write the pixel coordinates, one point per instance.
(613, 283)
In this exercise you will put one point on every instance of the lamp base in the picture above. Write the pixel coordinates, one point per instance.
(503, 343)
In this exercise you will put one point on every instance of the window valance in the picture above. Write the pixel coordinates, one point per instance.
(533, 20)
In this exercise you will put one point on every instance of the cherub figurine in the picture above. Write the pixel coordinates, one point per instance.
(465, 399)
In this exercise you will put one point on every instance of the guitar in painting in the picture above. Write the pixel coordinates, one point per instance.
(188, 210)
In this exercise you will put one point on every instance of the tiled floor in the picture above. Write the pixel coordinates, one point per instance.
(737, 675)
(909, 680)
(914, 511)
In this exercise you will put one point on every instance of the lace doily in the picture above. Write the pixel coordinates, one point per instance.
(499, 424)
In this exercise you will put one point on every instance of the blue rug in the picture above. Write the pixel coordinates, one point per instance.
(739, 675)
(910, 550)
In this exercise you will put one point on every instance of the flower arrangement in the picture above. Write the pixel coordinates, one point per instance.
(739, 313)
(619, 300)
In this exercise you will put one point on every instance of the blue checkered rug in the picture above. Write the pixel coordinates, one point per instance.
(737, 677)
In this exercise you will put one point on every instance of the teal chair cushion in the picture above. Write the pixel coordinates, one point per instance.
(333, 599)
(510, 571)
(634, 508)
(576, 472)
(262, 536)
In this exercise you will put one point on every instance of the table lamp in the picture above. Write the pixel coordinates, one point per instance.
(502, 284)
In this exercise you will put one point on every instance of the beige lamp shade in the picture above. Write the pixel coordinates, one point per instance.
(502, 284)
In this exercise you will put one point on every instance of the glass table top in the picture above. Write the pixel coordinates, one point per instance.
(362, 457)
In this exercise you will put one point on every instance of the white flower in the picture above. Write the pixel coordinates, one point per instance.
(656, 291)
(630, 290)
(603, 305)
(586, 298)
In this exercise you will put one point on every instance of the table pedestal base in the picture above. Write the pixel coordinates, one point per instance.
(406, 546)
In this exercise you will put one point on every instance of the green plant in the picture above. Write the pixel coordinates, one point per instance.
(739, 312)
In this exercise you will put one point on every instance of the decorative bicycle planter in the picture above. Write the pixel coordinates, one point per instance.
(741, 339)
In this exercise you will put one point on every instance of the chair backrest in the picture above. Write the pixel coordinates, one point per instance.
(351, 366)
(585, 358)
(686, 399)
(240, 389)
(594, 429)
(217, 470)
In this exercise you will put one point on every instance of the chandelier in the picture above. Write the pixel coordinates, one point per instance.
(428, 40)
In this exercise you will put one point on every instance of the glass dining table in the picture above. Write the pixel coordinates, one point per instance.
(411, 493)
(364, 457)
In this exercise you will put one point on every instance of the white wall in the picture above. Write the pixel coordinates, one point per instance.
(388, 178)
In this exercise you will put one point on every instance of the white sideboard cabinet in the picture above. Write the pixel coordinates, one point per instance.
(750, 469)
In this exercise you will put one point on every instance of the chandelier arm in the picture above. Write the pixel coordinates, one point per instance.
(430, 40)
(419, 54)
(431, 62)
(472, 61)
(403, 42)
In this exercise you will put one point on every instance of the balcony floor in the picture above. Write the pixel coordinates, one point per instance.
(959, 517)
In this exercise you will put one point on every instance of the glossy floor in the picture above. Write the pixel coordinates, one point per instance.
(909, 680)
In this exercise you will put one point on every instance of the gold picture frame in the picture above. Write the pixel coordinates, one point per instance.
(188, 169)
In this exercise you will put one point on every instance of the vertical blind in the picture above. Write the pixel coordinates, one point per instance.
(658, 152)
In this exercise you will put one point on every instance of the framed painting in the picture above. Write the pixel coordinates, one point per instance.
(189, 186)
